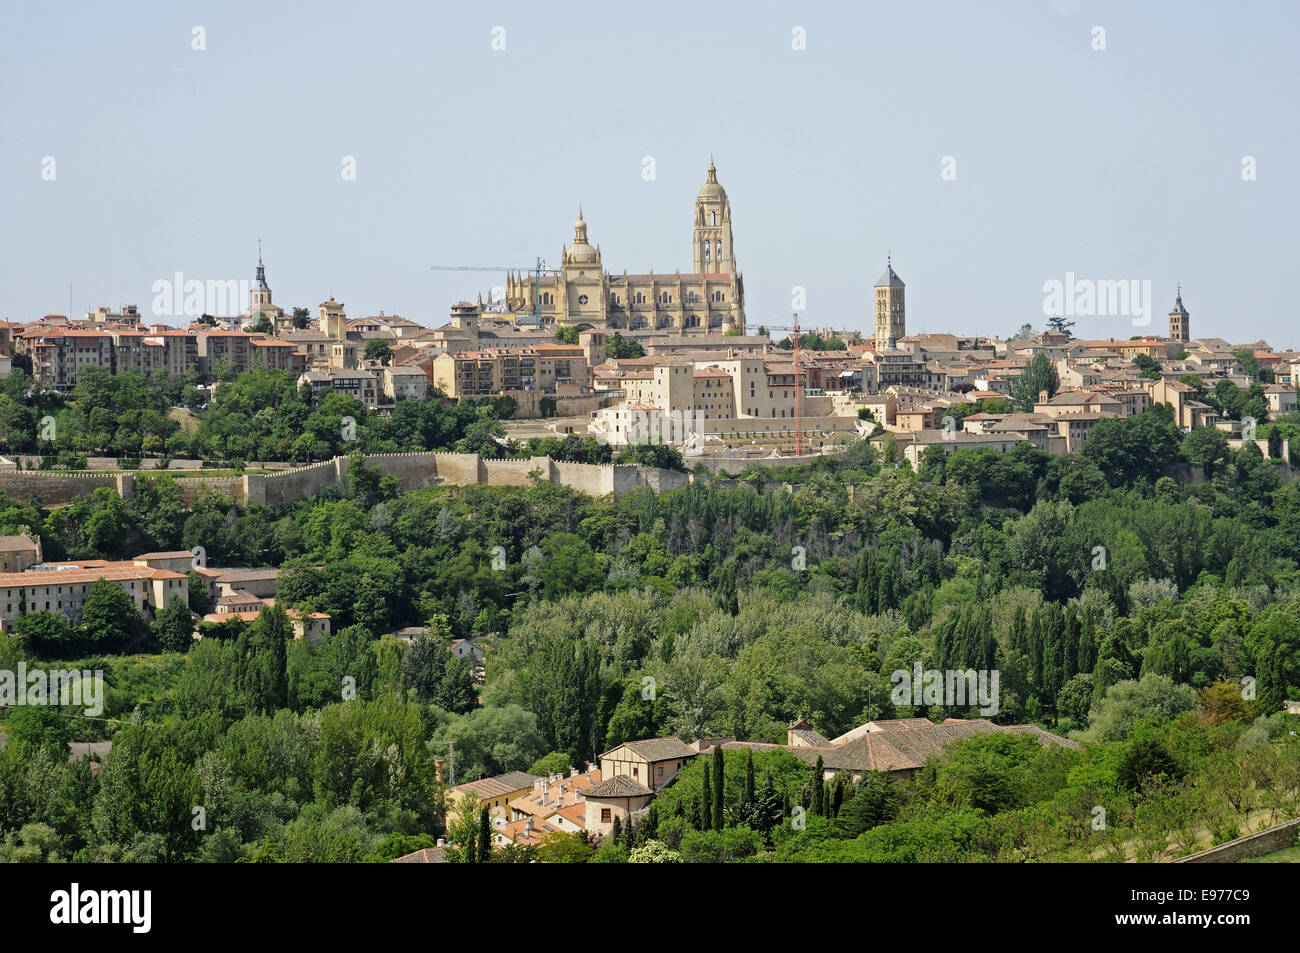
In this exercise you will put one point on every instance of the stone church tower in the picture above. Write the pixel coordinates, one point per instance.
(713, 252)
(259, 297)
(1180, 322)
(891, 308)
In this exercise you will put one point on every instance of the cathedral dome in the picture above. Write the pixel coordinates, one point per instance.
(711, 190)
(581, 252)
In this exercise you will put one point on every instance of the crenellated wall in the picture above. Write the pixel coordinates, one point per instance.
(413, 471)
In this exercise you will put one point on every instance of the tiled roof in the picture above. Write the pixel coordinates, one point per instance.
(497, 786)
(621, 786)
(429, 855)
(660, 749)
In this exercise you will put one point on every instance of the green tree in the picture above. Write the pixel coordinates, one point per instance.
(44, 634)
(706, 802)
(1039, 376)
(174, 626)
(719, 817)
(109, 619)
(456, 690)
(378, 349)
(484, 837)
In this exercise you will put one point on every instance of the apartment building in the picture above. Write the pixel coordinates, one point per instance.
(487, 373)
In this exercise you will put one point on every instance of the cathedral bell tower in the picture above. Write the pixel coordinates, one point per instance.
(712, 251)
(891, 308)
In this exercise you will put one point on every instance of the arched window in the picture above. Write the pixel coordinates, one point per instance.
(718, 251)
(706, 250)
(713, 218)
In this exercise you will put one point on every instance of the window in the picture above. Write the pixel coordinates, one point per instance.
(659, 771)
(582, 299)
(636, 772)
(605, 815)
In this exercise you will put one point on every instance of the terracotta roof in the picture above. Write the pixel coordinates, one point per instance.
(52, 577)
(659, 749)
(497, 786)
(429, 855)
(621, 786)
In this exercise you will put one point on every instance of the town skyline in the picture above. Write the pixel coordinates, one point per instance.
(818, 203)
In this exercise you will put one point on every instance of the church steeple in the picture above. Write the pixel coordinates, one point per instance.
(260, 294)
(1180, 322)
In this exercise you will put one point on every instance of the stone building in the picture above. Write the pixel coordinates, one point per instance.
(891, 309)
(1180, 322)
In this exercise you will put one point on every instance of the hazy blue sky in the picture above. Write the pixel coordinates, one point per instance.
(1117, 164)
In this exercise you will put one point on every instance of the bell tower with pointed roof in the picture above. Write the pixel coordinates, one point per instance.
(1180, 322)
(891, 308)
(259, 296)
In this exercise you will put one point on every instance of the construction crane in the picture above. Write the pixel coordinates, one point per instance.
(798, 380)
(538, 269)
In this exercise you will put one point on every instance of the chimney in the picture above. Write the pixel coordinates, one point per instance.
(528, 824)
(573, 772)
(442, 842)
(1042, 396)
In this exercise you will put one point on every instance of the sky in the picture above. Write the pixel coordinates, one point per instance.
(992, 148)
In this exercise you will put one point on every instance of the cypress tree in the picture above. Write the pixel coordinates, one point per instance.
(819, 788)
(1036, 640)
(1070, 644)
(1087, 649)
(484, 837)
(1279, 673)
(649, 827)
(988, 643)
(616, 832)
(1018, 639)
(1270, 681)
(706, 802)
(749, 777)
(718, 788)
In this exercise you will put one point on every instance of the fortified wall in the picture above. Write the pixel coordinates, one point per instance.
(413, 471)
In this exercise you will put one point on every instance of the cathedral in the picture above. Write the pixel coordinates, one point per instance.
(708, 300)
